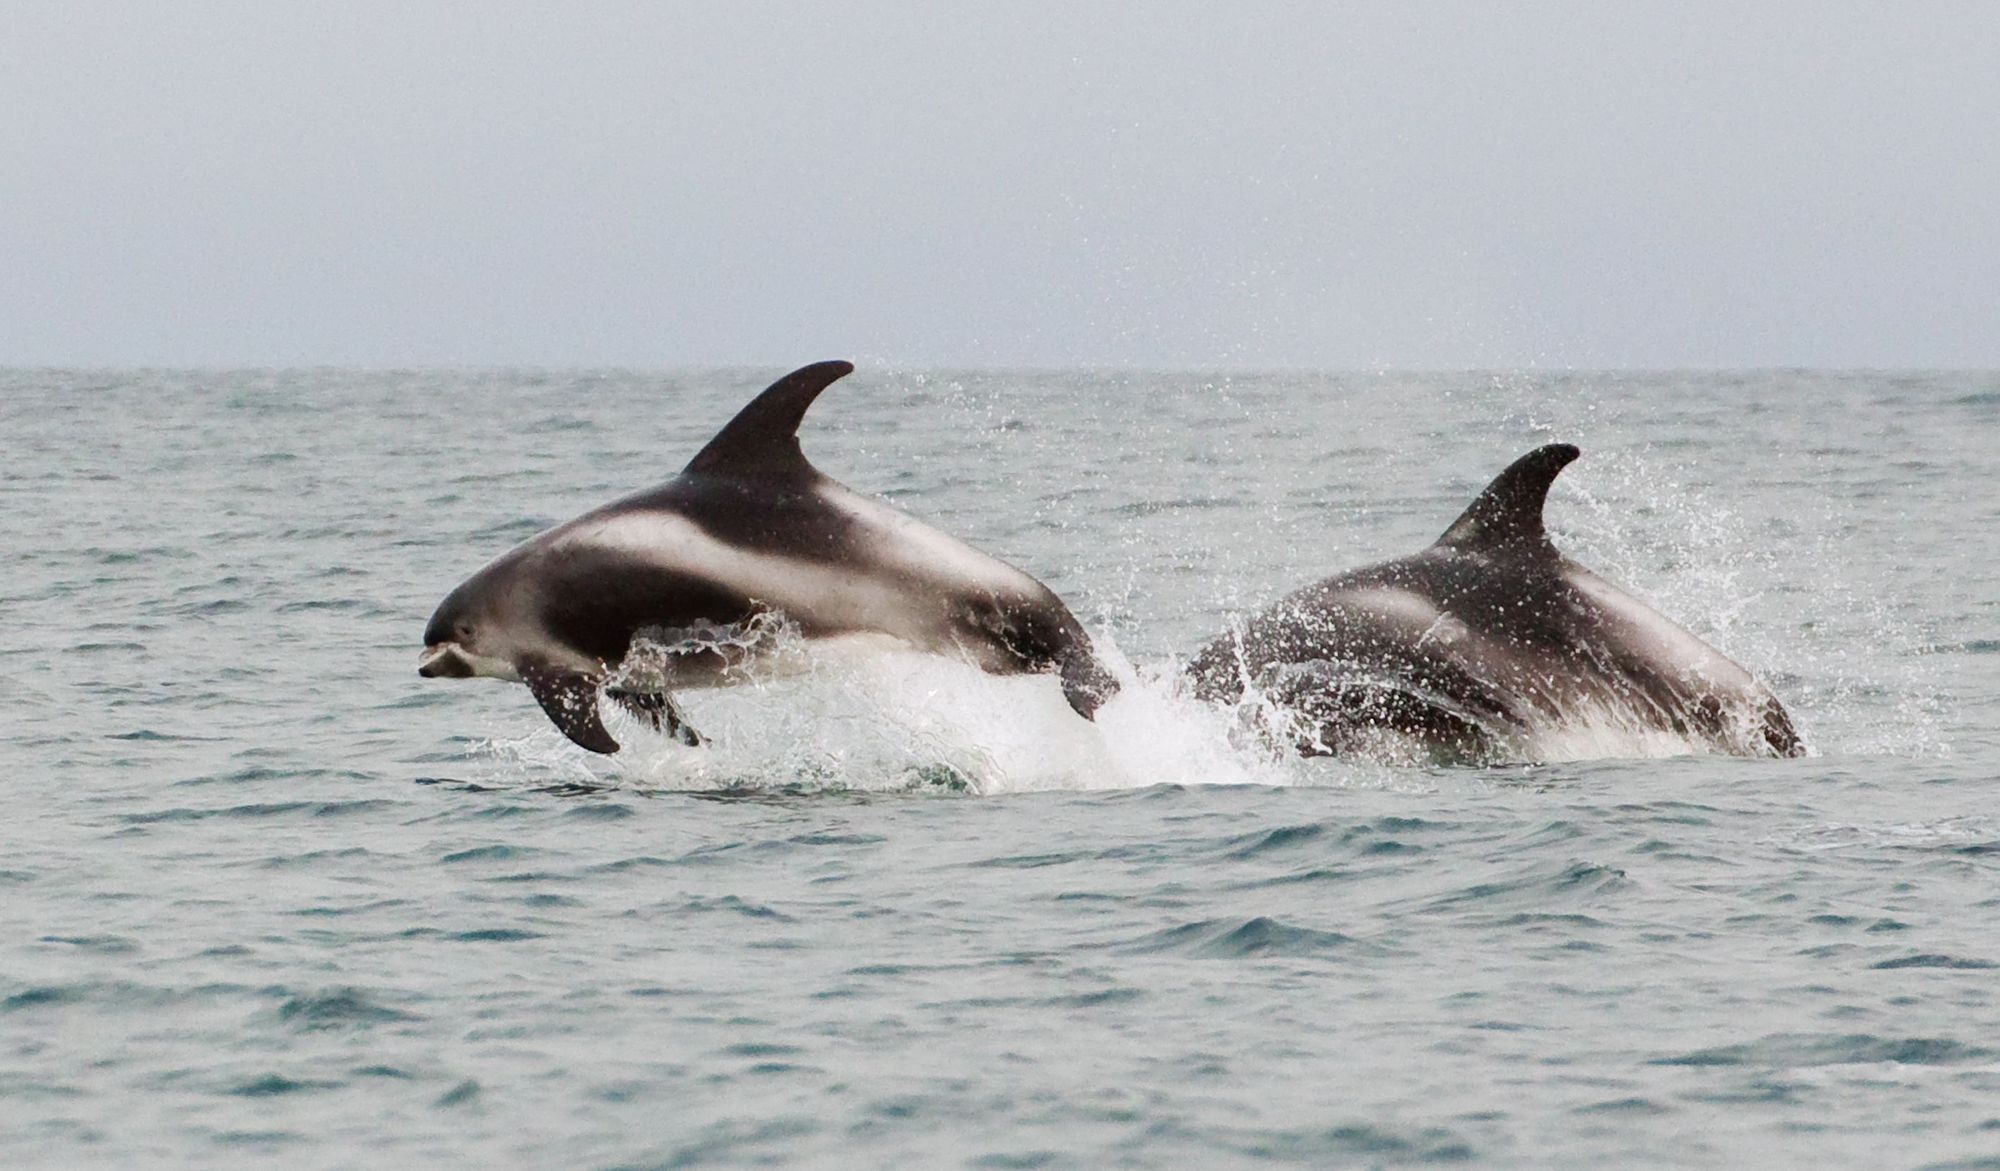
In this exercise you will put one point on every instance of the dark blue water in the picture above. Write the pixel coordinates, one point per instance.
(270, 898)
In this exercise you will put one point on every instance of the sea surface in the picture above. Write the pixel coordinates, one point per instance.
(268, 898)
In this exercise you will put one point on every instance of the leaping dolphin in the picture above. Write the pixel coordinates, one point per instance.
(1487, 638)
(749, 532)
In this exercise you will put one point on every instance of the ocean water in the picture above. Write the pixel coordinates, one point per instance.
(269, 898)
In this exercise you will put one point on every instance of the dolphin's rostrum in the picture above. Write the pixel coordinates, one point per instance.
(1490, 637)
(748, 536)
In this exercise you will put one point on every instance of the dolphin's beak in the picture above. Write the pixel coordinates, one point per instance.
(443, 660)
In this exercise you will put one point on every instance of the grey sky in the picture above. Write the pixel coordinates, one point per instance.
(1205, 184)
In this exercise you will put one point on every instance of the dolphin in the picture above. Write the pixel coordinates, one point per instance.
(704, 569)
(1478, 644)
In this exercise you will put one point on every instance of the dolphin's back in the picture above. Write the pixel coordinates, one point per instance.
(1491, 625)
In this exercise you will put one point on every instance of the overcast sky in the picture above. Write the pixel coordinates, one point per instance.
(919, 183)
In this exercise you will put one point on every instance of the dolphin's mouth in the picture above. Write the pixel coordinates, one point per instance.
(443, 660)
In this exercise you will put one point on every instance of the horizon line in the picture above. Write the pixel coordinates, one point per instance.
(954, 367)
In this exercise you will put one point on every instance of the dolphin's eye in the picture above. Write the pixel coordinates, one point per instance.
(462, 630)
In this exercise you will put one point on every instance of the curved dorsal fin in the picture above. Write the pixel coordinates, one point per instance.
(1509, 512)
(763, 438)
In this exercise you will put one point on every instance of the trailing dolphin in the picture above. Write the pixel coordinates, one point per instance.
(749, 537)
(1480, 644)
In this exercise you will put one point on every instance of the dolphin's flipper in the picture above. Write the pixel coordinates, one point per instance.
(1765, 730)
(1778, 731)
(1509, 512)
(763, 439)
(571, 702)
(1039, 640)
(1086, 683)
(657, 708)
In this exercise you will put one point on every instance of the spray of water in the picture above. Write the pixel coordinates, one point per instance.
(1642, 518)
(808, 715)
(1703, 563)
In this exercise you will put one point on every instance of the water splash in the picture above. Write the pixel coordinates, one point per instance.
(806, 715)
(1701, 562)
(1663, 528)
(876, 719)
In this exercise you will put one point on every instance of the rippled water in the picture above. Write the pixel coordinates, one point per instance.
(270, 897)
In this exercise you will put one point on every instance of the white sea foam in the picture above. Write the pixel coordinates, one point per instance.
(866, 717)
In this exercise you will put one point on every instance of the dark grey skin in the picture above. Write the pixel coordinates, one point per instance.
(1489, 636)
(748, 535)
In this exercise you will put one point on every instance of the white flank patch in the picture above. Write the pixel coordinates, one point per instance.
(857, 597)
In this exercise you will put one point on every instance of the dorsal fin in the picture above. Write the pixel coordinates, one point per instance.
(763, 438)
(1509, 512)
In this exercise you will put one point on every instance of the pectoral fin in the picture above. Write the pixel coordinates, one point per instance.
(657, 708)
(571, 702)
(1086, 682)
